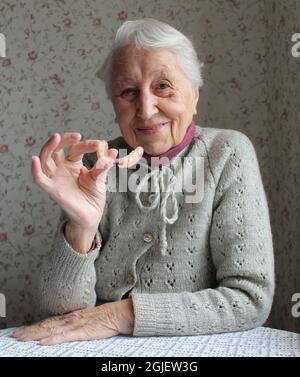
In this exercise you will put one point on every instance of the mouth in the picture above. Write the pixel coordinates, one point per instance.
(155, 129)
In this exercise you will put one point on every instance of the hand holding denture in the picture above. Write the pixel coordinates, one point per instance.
(79, 191)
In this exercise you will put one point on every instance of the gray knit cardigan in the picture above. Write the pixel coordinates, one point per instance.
(190, 268)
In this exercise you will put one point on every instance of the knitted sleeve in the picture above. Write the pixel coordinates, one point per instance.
(68, 278)
(242, 252)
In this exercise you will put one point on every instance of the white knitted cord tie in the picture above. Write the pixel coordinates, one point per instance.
(164, 192)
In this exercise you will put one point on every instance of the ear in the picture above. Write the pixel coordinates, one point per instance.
(196, 98)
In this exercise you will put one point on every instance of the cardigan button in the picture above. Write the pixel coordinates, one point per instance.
(151, 198)
(130, 279)
(148, 237)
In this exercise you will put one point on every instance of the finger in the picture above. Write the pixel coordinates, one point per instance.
(67, 140)
(112, 152)
(103, 164)
(47, 163)
(27, 336)
(107, 157)
(65, 336)
(41, 329)
(16, 333)
(102, 148)
(39, 177)
(52, 153)
(132, 158)
(77, 151)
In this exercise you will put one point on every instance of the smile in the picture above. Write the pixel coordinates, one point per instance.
(154, 130)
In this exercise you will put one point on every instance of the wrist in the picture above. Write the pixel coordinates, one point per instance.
(124, 316)
(80, 239)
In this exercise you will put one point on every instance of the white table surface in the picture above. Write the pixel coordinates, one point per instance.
(261, 341)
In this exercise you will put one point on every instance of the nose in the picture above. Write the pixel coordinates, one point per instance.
(146, 105)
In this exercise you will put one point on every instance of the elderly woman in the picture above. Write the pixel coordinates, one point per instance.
(154, 261)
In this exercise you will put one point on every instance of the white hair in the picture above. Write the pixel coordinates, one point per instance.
(149, 33)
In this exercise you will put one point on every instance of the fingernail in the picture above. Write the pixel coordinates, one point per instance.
(16, 335)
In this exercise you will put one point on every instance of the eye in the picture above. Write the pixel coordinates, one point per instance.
(128, 92)
(163, 85)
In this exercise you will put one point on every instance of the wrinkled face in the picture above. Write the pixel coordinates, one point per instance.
(152, 98)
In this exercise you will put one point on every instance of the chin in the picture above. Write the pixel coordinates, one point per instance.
(155, 147)
(155, 151)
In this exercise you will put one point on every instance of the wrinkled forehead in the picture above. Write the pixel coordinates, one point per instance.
(130, 63)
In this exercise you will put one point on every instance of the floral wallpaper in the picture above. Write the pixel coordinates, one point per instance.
(48, 84)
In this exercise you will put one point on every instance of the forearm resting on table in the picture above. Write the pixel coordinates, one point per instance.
(80, 239)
